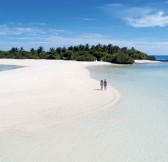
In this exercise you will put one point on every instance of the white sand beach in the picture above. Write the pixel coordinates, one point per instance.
(40, 101)
(145, 61)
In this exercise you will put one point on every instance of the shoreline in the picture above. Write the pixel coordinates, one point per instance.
(41, 88)
(145, 61)
(40, 105)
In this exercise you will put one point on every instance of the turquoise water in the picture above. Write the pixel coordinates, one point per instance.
(136, 128)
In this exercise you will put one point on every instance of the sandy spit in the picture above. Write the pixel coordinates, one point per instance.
(145, 61)
(43, 96)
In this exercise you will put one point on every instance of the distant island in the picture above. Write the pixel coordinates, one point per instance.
(108, 53)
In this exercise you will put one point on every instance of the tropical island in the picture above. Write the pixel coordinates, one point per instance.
(108, 53)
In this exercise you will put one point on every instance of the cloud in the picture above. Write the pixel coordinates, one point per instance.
(147, 16)
(8, 30)
(27, 24)
(91, 35)
(122, 11)
(158, 19)
(85, 19)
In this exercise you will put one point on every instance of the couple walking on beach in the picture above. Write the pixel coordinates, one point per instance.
(103, 83)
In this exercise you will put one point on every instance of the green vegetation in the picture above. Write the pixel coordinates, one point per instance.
(108, 53)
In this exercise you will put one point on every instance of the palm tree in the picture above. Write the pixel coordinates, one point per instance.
(40, 50)
(21, 49)
(81, 47)
(32, 50)
(124, 49)
(52, 50)
(116, 48)
(110, 48)
(59, 50)
(14, 50)
(98, 47)
(87, 47)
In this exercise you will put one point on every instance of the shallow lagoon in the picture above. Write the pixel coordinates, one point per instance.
(136, 128)
(8, 67)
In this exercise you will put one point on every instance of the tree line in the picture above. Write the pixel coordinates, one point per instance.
(109, 53)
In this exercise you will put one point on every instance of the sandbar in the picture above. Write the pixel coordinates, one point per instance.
(41, 96)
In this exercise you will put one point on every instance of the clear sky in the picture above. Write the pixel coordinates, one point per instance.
(142, 24)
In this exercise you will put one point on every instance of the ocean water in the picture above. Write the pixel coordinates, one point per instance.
(161, 57)
(136, 128)
(8, 67)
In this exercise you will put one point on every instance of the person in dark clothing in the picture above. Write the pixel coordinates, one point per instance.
(101, 84)
(105, 84)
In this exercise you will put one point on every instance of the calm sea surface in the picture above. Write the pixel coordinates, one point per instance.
(8, 67)
(161, 57)
(136, 128)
